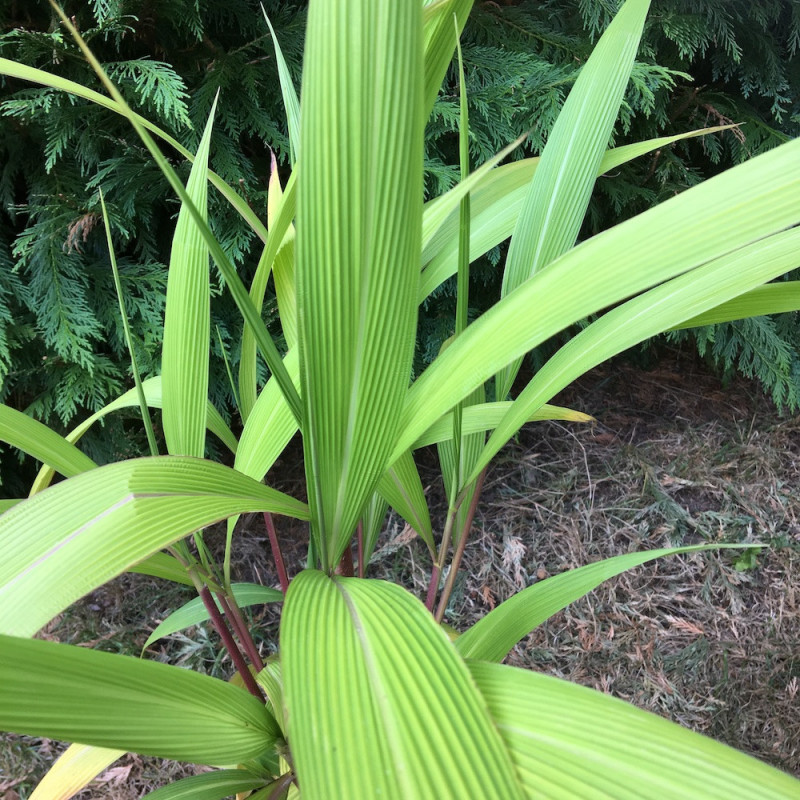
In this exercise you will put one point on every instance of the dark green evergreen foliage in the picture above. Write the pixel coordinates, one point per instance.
(61, 351)
(61, 347)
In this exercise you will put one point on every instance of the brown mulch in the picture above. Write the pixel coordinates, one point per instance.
(709, 640)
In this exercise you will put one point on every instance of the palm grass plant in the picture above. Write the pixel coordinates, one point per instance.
(369, 697)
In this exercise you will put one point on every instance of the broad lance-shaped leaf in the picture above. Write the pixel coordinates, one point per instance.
(210, 786)
(291, 103)
(734, 209)
(37, 440)
(161, 565)
(74, 769)
(568, 741)
(645, 316)
(73, 537)
(153, 398)
(496, 199)
(358, 244)
(486, 416)
(187, 320)
(492, 637)
(194, 612)
(774, 298)
(555, 206)
(279, 230)
(440, 42)
(76, 694)
(379, 703)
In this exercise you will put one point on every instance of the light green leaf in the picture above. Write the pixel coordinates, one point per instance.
(270, 425)
(774, 298)
(187, 320)
(153, 397)
(210, 786)
(379, 704)
(655, 311)
(100, 523)
(76, 694)
(401, 487)
(161, 565)
(495, 203)
(358, 244)
(553, 211)
(492, 637)
(278, 231)
(440, 42)
(486, 416)
(194, 612)
(37, 440)
(372, 524)
(734, 209)
(73, 770)
(291, 104)
(568, 741)
(33, 75)
(6, 504)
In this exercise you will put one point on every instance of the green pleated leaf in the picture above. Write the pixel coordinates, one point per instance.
(728, 212)
(379, 703)
(568, 741)
(440, 42)
(657, 310)
(6, 504)
(194, 612)
(73, 770)
(187, 320)
(100, 523)
(492, 637)
(37, 440)
(486, 416)
(774, 298)
(33, 75)
(401, 487)
(358, 244)
(372, 524)
(210, 786)
(76, 694)
(153, 397)
(161, 565)
(495, 204)
(554, 208)
(291, 103)
(269, 426)
(280, 227)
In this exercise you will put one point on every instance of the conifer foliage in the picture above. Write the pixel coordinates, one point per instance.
(703, 62)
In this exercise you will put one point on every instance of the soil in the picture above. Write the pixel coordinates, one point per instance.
(709, 640)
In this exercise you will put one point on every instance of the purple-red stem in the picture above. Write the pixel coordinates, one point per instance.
(455, 564)
(281, 785)
(432, 587)
(239, 626)
(230, 644)
(276, 552)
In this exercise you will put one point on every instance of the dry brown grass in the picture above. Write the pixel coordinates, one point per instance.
(674, 458)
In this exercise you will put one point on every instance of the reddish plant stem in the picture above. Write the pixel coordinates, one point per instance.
(239, 626)
(457, 556)
(432, 588)
(360, 540)
(276, 552)
(281, 785)
(230, 645)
